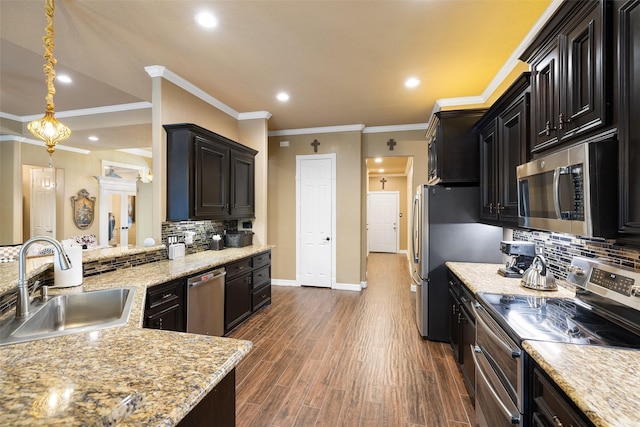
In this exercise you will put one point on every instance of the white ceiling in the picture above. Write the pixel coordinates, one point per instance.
(342, 62)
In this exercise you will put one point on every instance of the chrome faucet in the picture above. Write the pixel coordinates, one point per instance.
(22, 304)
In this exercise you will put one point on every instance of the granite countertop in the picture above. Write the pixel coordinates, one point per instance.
(124, 375)
(482, 277)
(577, 369)
(602, 381)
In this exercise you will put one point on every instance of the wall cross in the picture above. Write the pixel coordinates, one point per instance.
(315, 144)
(383, 181)
(391, 143)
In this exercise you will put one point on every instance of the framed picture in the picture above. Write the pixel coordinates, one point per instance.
(83, 209)
(131, 209)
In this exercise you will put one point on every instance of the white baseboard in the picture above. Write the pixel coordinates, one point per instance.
(337, 286)
(347, 287)
(282, 282)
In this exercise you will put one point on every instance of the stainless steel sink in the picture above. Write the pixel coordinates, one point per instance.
(69, 314)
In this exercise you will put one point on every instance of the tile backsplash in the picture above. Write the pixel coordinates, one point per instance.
(560, 248)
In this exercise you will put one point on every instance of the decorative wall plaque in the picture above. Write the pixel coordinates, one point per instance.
(83, 209)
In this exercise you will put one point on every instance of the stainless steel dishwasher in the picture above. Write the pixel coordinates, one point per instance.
(205, 303)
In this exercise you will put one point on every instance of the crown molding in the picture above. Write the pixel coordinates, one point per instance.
(17, 138)
(255, 115)
(324, 129)
(395, 128)
(165, 73)
(137, 152)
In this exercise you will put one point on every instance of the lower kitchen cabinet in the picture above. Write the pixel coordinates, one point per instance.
(462, 329)
(216, 409)
(165, 306)
(247, 288)
(550, 406)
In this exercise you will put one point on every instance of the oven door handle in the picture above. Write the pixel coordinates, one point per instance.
(490, 384)
(480, 314)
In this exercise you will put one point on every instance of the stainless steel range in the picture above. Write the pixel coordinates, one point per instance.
(606, 311)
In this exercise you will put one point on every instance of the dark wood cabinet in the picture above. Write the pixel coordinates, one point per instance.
(247, 288)
(503, 135)
(208, 176)
(165, 306)
(571, 92)
(628, 43)
(453, 148)
(462, 329)
(550, 405)
(217, 408)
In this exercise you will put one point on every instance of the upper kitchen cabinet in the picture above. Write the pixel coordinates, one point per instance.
(570, 60)
(503, 136)
(208, 176)
(453, 147)
(627, 27)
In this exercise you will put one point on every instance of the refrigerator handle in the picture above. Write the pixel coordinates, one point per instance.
(414, 229)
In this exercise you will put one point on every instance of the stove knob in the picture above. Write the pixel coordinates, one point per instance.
(575, 270)
(635, 291)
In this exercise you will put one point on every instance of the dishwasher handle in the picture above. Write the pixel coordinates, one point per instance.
(207, 277)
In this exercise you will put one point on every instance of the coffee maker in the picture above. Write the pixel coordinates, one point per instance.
(521, 253)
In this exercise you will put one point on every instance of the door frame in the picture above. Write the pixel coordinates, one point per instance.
(299, 159)
(397, 197)
(108, 186)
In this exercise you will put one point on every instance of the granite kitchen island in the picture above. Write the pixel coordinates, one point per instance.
(125, 375)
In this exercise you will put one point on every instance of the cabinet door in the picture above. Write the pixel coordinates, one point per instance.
(582, 107)
(488, 173)
(629, 105)
(545, 73)
(242, 185)
(454, 322)
(237, 301)
(169, 318)
(512, 134)
(432, 160)
(211, 180)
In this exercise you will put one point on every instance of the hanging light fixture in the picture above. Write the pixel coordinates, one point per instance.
(48, 128)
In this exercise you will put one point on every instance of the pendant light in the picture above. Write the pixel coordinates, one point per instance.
(48, 128)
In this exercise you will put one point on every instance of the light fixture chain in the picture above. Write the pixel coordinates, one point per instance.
(49, 44)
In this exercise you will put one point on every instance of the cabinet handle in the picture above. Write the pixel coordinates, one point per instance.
(548, 128)
(491, 207)
(557, 421)
(165, 296)
(562, 121)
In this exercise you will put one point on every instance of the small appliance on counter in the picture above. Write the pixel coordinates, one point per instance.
(538, 277)
(175, 249)
(521, 253)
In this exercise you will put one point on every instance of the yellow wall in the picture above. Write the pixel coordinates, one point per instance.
(78, 172)
(173, 104)
(282, 201)
(399, 184)
(409, 144)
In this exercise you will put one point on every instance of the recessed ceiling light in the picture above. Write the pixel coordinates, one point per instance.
(378, 160)
(412, 82)
(63, 78)
(93, 138)
(380, 170)
(206, 20)
(283, 96)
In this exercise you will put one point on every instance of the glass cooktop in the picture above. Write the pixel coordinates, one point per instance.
(555, 319)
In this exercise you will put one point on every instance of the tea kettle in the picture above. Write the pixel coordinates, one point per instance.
(536, 276)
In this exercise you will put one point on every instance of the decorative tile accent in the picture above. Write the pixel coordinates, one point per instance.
(204, 231)
(560, 248)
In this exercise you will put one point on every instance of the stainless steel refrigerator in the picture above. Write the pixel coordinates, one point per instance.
(445, 228)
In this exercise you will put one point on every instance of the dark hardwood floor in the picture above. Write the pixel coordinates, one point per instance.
(337, 358)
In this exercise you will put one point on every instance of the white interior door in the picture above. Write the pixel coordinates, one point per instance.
(382, 221)
(315, 188)
(117, 212)
(43, 202)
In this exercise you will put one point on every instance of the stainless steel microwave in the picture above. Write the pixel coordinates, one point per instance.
(571, 191)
